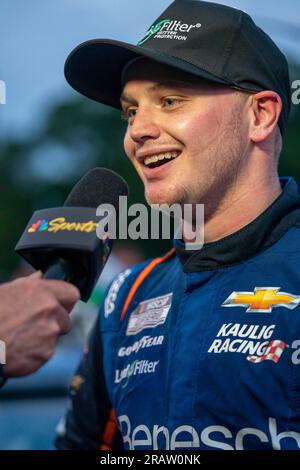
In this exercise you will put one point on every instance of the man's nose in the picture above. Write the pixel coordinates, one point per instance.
(144, 126)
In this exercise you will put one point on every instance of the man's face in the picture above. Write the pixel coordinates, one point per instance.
(186, 138)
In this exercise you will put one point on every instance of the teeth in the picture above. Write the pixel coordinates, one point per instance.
(161, 156)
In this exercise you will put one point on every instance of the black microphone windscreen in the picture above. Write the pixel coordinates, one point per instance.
(98, 186)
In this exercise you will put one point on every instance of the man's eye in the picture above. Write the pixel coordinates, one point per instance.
(169, 102)
(128, 114)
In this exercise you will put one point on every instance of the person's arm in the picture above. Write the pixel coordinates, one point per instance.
(89, 422)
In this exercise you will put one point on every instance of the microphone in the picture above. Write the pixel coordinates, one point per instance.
(62, 242)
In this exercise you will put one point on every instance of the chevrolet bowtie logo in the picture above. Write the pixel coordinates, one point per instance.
(263, 300)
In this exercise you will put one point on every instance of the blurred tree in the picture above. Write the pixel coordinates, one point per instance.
(290, 158)
(289, 164)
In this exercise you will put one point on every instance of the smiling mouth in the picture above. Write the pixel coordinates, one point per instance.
(160, 159)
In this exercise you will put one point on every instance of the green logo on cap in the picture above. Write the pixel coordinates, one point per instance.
(154, 29)
(171, 30)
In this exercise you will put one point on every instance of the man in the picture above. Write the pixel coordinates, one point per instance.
(198, 349)
(33, 313)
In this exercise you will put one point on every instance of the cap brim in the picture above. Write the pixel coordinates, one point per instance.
(94, 68)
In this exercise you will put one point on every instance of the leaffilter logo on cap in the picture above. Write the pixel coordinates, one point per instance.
(169, 29)
(154, 29)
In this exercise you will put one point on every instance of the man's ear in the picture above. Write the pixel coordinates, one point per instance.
(265, 111)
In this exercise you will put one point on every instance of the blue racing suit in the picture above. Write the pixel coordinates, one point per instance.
(199, 350)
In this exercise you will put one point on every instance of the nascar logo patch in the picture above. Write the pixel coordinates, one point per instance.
(149, 314)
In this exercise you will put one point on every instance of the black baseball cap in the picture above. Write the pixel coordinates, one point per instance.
(212, 41)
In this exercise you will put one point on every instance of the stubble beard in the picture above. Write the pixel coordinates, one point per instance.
(228, 160)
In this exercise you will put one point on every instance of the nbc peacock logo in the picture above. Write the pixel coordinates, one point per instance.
(39, 226)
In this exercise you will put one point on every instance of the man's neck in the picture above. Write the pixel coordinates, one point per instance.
(242, 205)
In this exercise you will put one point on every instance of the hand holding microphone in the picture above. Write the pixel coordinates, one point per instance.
(34, 312)
(63, 244)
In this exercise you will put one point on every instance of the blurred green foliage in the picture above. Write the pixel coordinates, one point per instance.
(78, 135)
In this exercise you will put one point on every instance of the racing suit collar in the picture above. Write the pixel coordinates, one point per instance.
(255, 237)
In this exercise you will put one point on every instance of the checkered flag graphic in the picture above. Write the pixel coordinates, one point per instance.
(273, 352)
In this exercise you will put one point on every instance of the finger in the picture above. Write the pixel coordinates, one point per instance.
(66, 294)
(62, 319)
